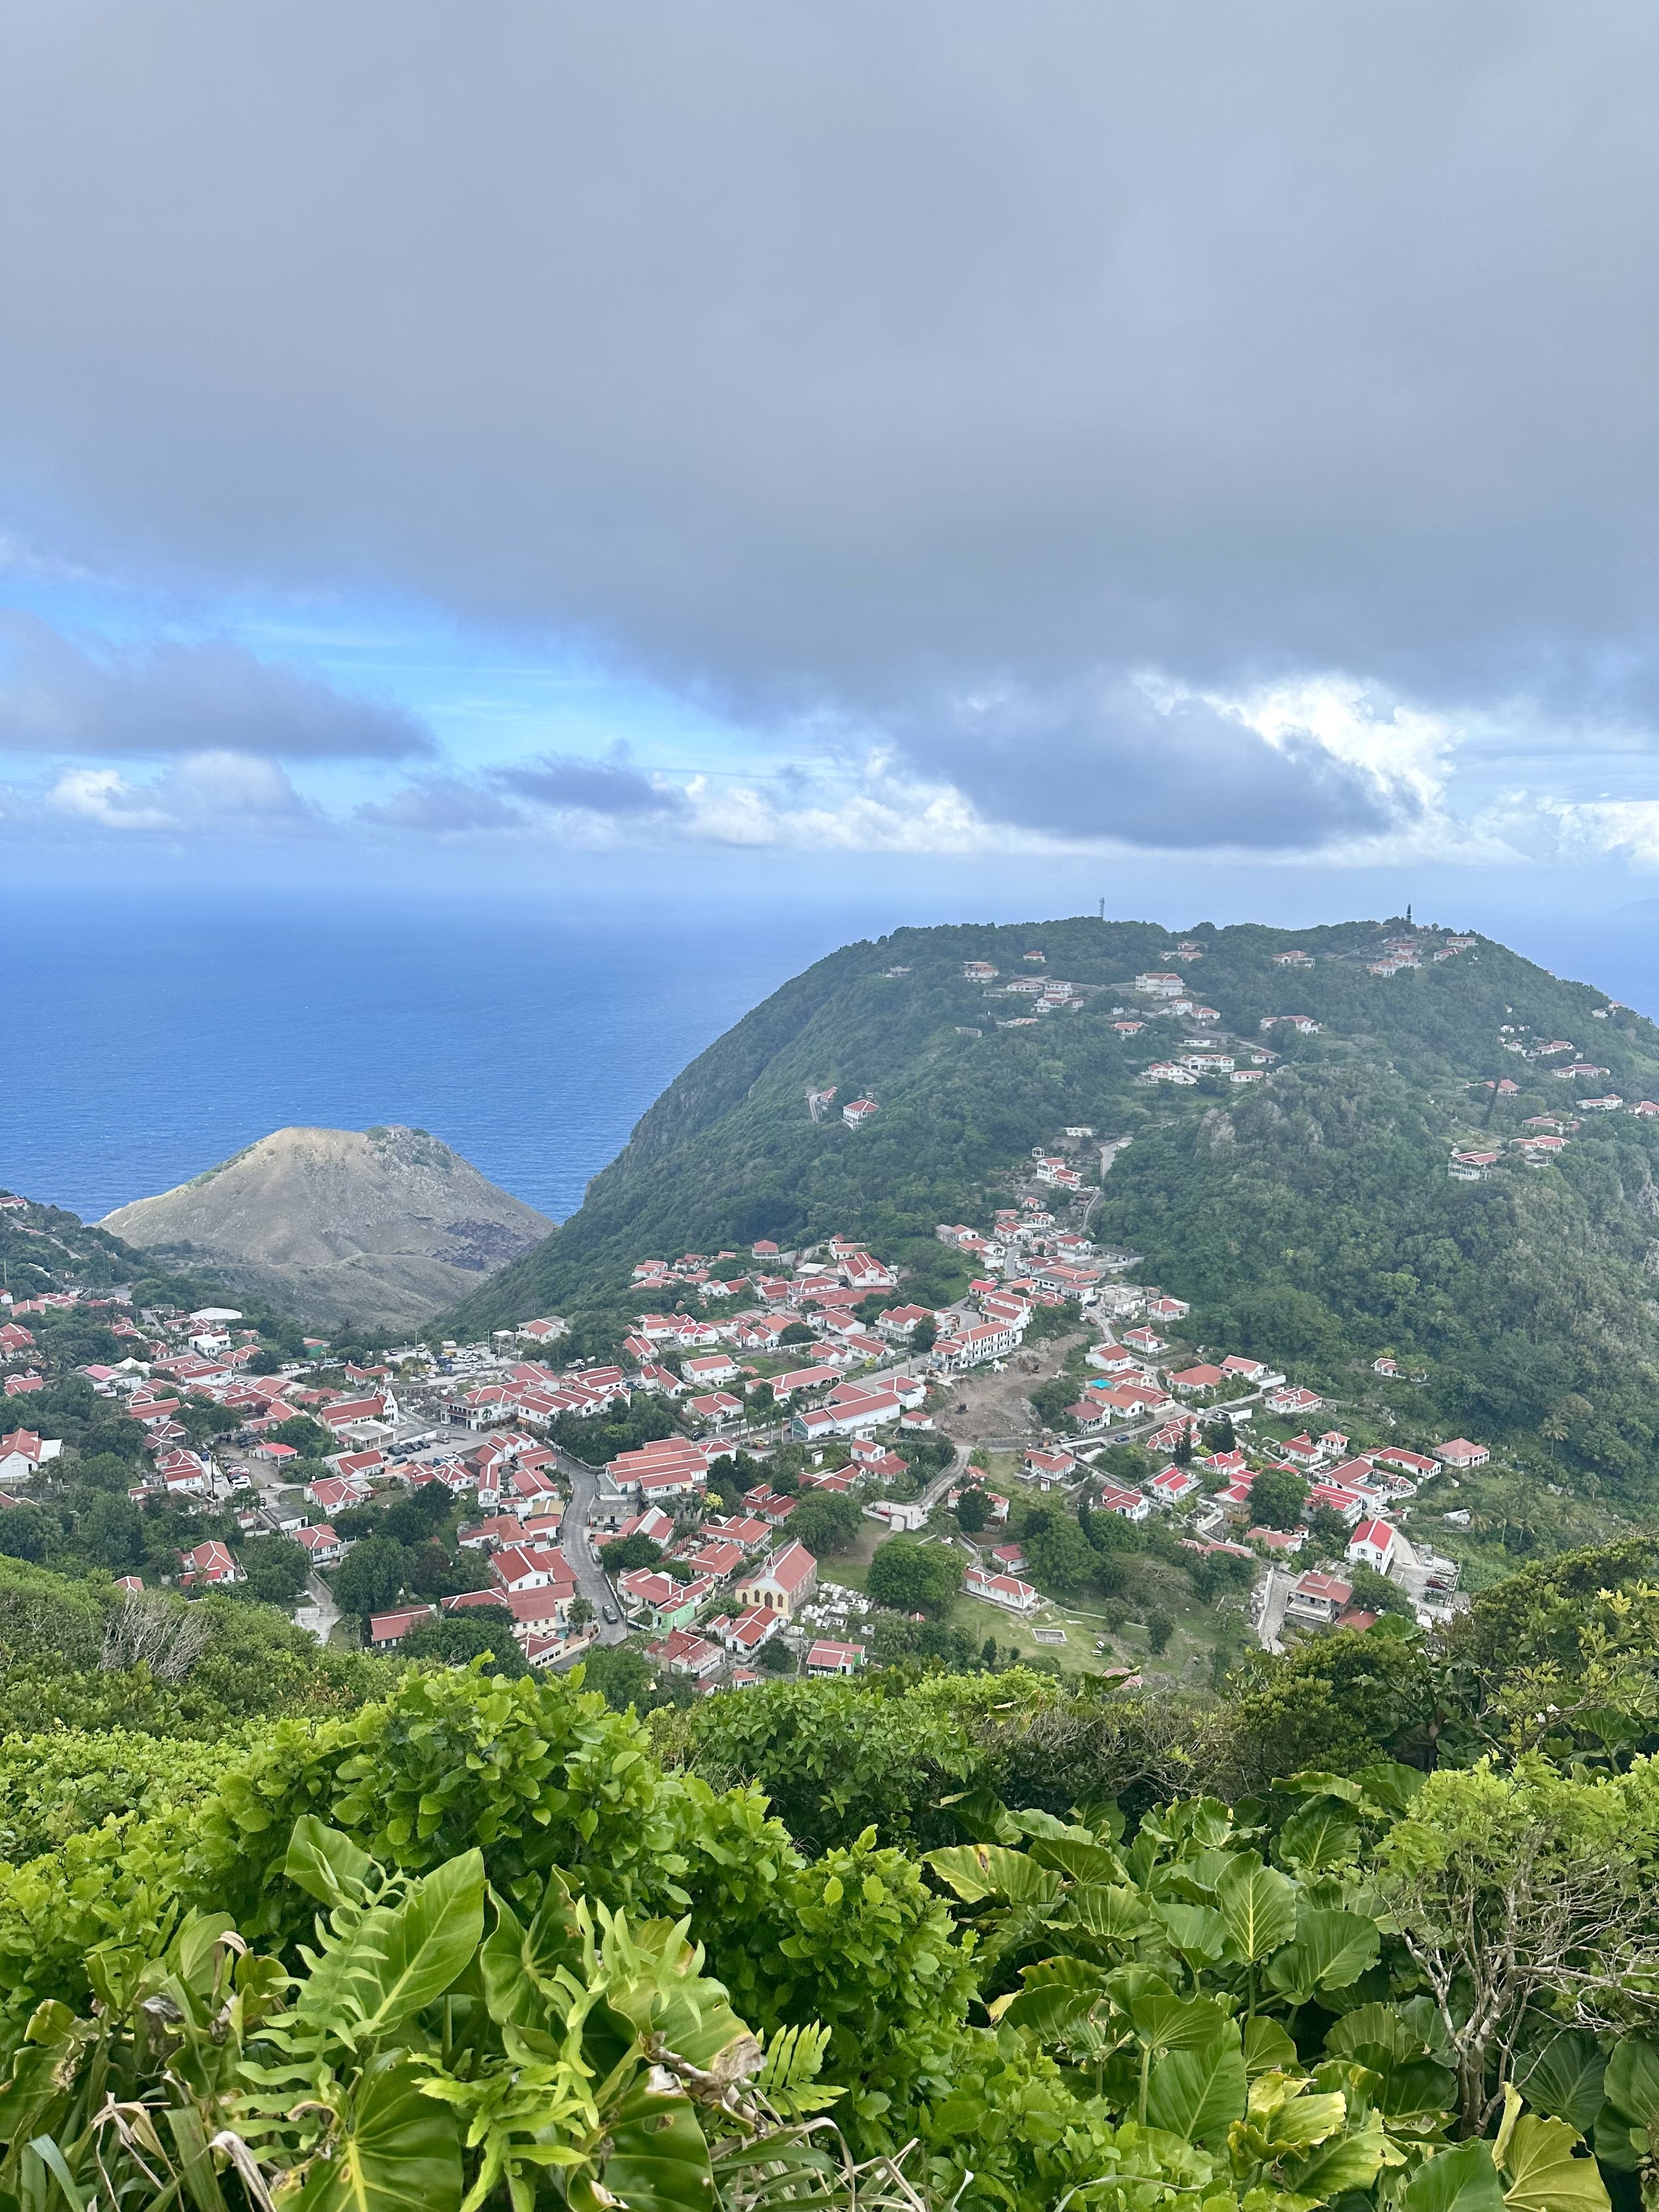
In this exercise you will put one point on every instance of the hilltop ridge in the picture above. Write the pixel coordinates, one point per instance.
(380, 1227)
(1313, 1211)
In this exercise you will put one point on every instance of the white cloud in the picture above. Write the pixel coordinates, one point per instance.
(207, 791)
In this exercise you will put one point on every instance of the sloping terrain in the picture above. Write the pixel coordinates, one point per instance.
(1309, 1218)
(382, 1228)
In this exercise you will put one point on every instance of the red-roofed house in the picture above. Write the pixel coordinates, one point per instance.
(1460, 1452)
(1173, 1485)
(1190, 1380)
(827, 1657)
(21, 1452)
(1315, 1596)
(322, 1543)
(209, 1563)
(1006, 1590)
(1277, 1539)
(783, 1584)
(1293, 1401)
(682, 1653)
(387, 1630)
(517, 1567)
(1374, 1544)
(1131, 1504)
(744, 1633)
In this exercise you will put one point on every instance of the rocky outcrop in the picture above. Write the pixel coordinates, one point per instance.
(385, 1227)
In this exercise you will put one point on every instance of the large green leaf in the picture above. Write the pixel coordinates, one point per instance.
(1390, 1785)
(397, 2150)
(325, 1864)
(1324, 1834)
(396, 1960)
(658, 2160)
(1268, 2048)
(1341, 2162)
(1081, 1862)
(1462, 2179)
(976, 1871)
(1259, 1906)
(1058, 1992)
(1198, 2093)
(1316, 1784)
(1631, 2083)
(1544, 2175)
(516, 1965)
(1374, 2027)
(1164, 2021)
(1331, 1950)
(1108, 1913)
(1197, 1932)
(1566, 2078)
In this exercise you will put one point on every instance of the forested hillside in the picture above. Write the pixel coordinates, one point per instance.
(1372, 1931)
(1310, 1218)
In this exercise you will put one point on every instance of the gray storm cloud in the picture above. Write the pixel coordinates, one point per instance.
(835, 359)
(169, 698)
(609, 787)
(1105, 761)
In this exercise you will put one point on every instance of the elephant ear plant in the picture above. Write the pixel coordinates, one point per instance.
(443, 2048)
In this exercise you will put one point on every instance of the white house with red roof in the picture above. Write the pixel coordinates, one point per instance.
(520, 1567)
(684, 1653)
(387, 1630)
(1374, 1544)
(827, 1657)
(1191, 1380)
(1173, 1485)
(23, 1453)
(1413, 1464)
(1460, 1452)
(1134, 1402)
(717, 1407)
(209, 1563)
(1317, 1597)
(974, 1347)
(1335, 1498)
(322, 1542)
(1286, 1540)
(857, 1111)
(1294, 1401)
(1006, 1590)
(1132, 1504)
(1046, 1467)
(744, 1633)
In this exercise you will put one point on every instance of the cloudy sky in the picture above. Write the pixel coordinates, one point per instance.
(1217, 428)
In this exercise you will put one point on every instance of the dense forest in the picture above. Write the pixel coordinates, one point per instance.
(1374, 1929)
(1310, 1220)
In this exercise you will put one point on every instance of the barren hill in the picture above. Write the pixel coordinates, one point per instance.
(385, 1227)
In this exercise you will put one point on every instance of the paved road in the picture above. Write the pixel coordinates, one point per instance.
(320, 1615)
(1270, 1622)
(591, 1578)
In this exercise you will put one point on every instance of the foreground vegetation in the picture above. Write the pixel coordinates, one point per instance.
(1376, 1927)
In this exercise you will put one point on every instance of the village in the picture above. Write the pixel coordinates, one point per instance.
(779, 1377)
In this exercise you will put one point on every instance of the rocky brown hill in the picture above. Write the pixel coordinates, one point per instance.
(383, 1227)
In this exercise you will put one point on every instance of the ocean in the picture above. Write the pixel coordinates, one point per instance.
(149, 1039)
(148, 1036)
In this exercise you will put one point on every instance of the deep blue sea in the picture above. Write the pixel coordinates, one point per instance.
(147, 1035)
(149, 1039)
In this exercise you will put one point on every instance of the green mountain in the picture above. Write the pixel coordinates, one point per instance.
(1310, 1218)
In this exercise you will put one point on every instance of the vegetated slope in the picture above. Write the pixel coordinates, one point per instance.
(45, 1248)
(1310, 1218)
(382, 1228)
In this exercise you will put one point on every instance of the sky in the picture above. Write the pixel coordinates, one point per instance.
(720, 449)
